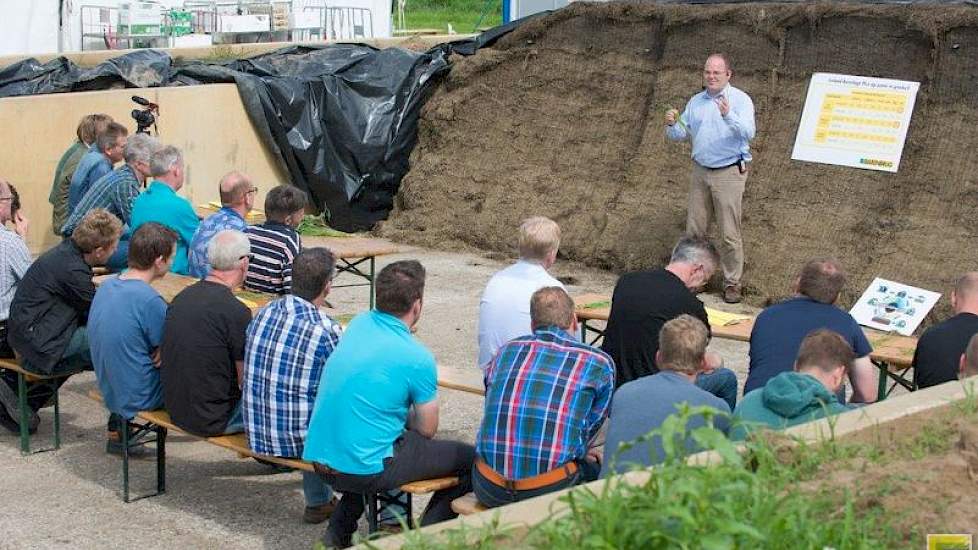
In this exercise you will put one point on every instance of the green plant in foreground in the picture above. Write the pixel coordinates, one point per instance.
(740, 501)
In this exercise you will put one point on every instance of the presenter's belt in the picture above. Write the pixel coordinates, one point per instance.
(717, 167)
(545, 479)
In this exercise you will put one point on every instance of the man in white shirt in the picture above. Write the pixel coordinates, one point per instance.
(504, 311)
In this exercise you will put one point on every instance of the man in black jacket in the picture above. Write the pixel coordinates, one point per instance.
(50, 308)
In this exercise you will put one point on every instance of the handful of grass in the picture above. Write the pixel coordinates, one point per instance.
(679, 118)
(597, 305)
(315, 226)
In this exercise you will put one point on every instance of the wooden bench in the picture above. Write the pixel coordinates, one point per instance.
(159, 422)
(467, 504)
(23, 378)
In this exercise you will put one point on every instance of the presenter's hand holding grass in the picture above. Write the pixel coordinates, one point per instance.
(672, 115)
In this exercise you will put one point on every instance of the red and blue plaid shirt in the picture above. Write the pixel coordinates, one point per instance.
(546, 397)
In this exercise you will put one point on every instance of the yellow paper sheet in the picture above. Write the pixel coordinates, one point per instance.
(724, 318)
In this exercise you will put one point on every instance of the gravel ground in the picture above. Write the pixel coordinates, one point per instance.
(72, 497)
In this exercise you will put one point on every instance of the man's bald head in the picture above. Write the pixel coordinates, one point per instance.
(234, 188)
(965, 296)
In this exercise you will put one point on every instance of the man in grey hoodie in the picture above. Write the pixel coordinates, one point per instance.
(806, 394)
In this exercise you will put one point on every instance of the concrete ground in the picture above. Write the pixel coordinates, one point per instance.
(72, 497)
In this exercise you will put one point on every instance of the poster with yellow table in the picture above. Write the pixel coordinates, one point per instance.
(855, 121)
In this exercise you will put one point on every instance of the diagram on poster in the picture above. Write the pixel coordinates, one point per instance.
(891, 306)
(855, 121)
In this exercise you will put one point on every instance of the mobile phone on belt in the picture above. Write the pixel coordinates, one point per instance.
(742, 166)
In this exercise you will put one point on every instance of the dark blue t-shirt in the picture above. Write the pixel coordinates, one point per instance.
(779, 330)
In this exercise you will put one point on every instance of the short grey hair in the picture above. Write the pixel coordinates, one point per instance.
(140, 148)
(226, 249)
(695, 250)
(164, 159)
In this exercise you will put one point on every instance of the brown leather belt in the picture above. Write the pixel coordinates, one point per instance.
(530, 483)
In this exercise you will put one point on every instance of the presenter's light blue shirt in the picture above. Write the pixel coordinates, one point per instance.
(718, 141)
(372, 378)
(161, 204)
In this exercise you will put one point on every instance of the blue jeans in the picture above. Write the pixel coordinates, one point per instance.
(77, 355)
(235, 422)
(315, 489)
(722, 383)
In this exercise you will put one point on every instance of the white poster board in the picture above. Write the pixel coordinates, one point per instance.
(855, 121)
(891, 306)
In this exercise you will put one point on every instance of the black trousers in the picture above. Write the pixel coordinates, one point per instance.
(38, 393)
(415, 458)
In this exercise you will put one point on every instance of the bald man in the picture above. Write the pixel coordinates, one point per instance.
(237, 199)
(939, 350)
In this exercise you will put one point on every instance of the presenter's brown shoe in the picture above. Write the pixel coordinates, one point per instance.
(732, 294)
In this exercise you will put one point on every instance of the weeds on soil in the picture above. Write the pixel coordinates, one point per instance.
(743, 500)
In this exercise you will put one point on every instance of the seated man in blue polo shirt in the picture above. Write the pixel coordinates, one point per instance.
(160, 203)
(376, 414)
(780, 329)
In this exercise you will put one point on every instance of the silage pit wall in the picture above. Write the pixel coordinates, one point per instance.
(563, 117)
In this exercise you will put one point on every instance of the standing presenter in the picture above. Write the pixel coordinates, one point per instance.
(720, 123)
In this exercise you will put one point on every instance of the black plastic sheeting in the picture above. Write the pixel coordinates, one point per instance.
(341, 119)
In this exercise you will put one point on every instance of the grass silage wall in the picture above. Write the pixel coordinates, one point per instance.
(563, 117)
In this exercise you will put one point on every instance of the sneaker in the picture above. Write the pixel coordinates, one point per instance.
(8, 423)
(732, 294)
(8, 400)
(319, 514)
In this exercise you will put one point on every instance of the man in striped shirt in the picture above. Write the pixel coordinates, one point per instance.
(275, 243)
(547, 396)
(288, 343)
(116, 192)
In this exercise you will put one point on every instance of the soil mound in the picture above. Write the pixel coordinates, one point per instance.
(563, 117)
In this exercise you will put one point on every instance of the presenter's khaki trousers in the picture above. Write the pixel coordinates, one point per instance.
(717, 193)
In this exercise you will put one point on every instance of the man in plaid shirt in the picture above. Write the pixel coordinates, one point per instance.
(547, 397)
(288, 343)
(116, 192)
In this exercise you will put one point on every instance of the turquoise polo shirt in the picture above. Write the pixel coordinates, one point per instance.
(371, 379)
(161, 204)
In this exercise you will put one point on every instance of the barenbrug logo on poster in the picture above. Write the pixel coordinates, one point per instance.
(949, 542)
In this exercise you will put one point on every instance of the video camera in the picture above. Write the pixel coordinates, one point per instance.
(146, 116)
